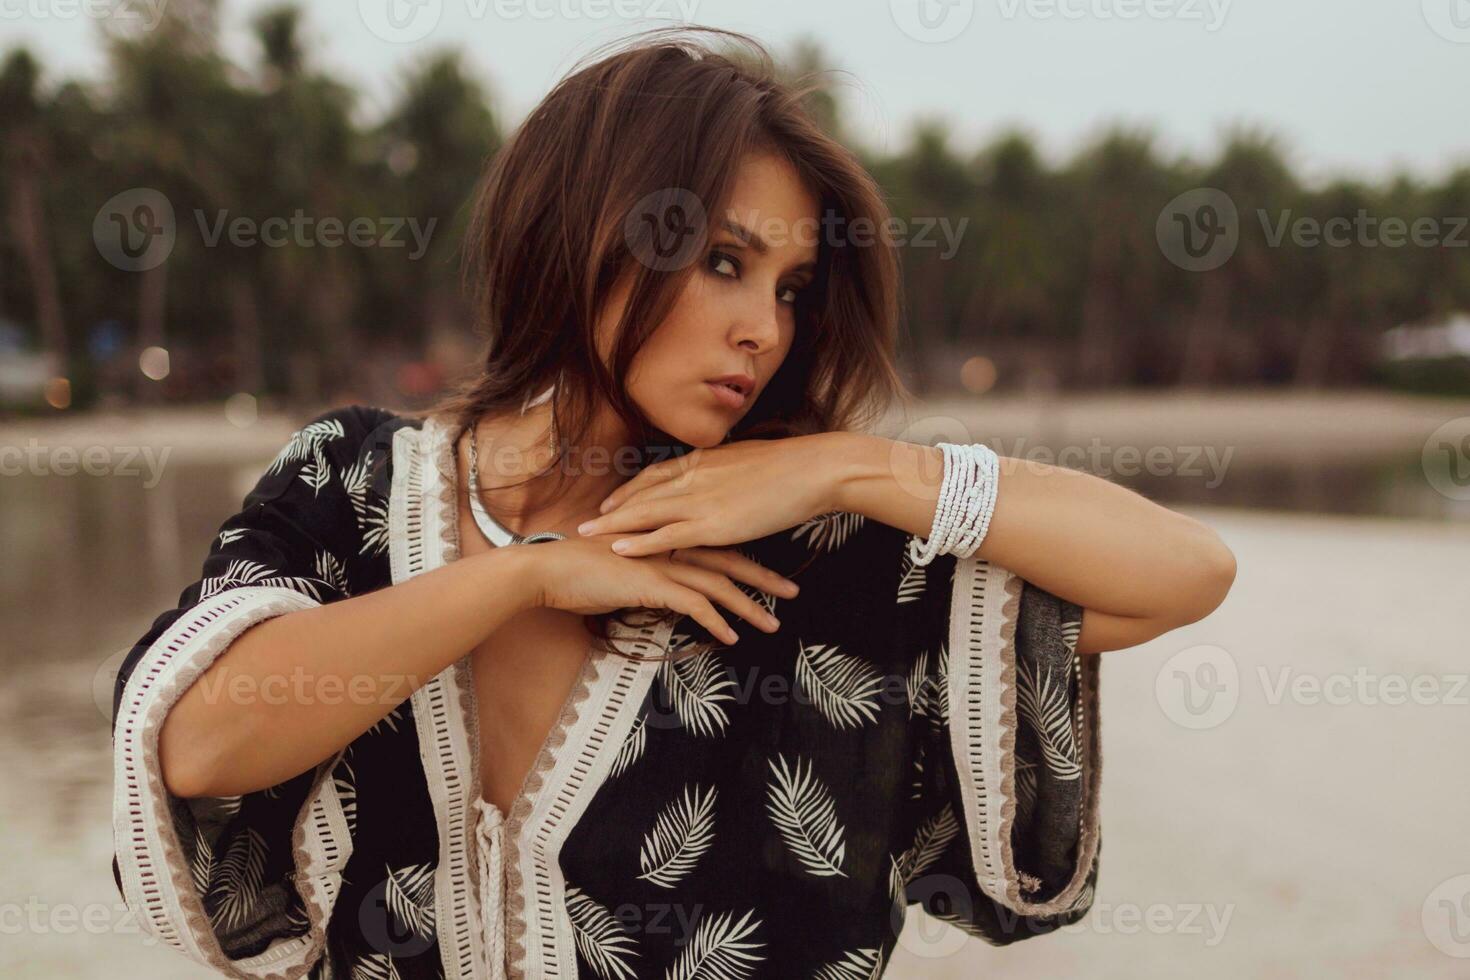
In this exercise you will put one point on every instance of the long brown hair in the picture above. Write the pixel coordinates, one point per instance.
(666, 118)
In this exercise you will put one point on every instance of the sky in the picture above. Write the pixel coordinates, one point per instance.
(1352, 87)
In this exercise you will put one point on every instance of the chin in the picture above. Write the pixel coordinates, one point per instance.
(697, 428)
(701, 437)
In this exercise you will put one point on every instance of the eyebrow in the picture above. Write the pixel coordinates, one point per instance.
(748, 237)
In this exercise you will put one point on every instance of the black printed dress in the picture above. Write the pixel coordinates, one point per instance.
(912, 735)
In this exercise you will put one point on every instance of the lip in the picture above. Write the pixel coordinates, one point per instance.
(722, 387)
(727, 396)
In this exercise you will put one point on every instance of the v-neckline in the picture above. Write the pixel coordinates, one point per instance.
(574, 761)
(544, 758)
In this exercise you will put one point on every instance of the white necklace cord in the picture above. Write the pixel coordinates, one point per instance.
(493, 531)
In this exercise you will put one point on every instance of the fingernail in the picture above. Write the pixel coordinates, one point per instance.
(620, 546)
(731, 636)
(775, 623)
(584, 527)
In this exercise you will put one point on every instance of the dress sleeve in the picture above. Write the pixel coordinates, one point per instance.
(243, 884)
(1004, 733)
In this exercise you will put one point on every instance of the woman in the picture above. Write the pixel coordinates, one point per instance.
(376, 738)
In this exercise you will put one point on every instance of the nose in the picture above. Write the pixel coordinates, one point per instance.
(758, 328)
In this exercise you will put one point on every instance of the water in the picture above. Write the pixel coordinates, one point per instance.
(90, 561)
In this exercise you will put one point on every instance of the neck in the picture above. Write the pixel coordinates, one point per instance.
(517, 474)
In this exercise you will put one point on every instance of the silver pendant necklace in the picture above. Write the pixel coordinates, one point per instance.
(494, 532)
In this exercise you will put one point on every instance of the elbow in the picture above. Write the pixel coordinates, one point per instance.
(186, 762)
(1209, 579)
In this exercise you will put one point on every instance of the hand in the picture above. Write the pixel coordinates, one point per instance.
(721, 496)
(583, 576)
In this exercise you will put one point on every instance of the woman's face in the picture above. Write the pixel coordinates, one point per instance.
(735, 319)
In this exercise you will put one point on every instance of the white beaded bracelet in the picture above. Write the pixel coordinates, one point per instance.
(966, 502)
(943, 510)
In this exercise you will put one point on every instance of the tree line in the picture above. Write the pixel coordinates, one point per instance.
(1064, 271)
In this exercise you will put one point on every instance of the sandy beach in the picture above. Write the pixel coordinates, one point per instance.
(1310, 820)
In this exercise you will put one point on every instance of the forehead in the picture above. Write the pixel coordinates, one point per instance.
(767, 190)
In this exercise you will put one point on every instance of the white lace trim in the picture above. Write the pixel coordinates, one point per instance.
(423, 521)
(984, 607)
(154, 868)
(489, 862)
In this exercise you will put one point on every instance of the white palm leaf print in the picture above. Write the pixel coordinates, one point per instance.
(231, 534)
(1071, 629)
(344, 781)
(599, 937)
(828, 532)
(297, 920)
(1083, 899)
(930, 841)
(916, 790)
(389, 720)
(371, 513)
(928, 693)
(764, 599)
(856, 964)
(308, 443)
(374, 966)
(719, 950)
(227, 806)
(316, 472)
(201, 861)
(895, 879)
(681, 834)
(243, 572)
(1042, 701)
(1025, 788)
(697, 687)
(941, 688)
(919, 688)
(843, 688)
(409, 896)
(803, 810)
(632, 748)
(911, 582)
(237, 880)
(331, 571)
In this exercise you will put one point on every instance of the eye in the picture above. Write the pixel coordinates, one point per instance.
(719, 263)
(788, 294)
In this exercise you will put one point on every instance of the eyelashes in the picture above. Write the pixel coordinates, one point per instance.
(717, 259)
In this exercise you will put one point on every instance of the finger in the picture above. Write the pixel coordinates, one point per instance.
(639, 515)
(719, 588)
(654, 491)
(654, 473)
(737, 566)
(694, 604)
(682, 534)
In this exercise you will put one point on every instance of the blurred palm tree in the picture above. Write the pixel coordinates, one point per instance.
(1234, 303)
(1117, 183)
(426, 157)
(24, 157)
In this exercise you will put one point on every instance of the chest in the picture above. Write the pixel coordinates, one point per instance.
(523, 673)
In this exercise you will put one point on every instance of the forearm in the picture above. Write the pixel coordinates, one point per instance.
(294, 689)
(1079, 537)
